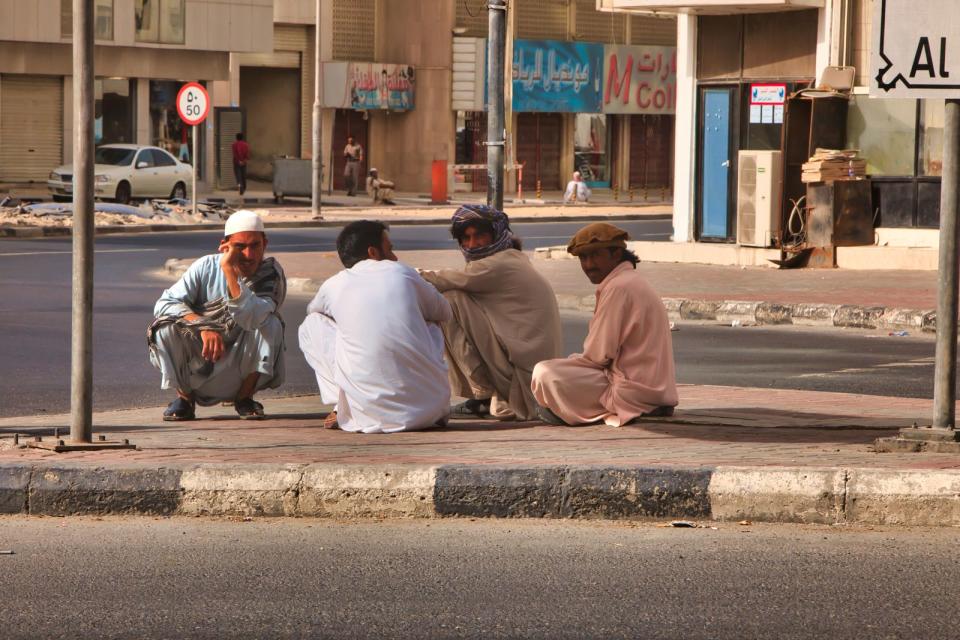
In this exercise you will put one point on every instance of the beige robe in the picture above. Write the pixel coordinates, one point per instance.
(626, 368)
(505, 321)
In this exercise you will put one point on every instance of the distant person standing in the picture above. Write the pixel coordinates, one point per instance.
(353, 154)
(241, 156)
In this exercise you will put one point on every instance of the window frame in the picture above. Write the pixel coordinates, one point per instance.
(156, 12)
(66, 19)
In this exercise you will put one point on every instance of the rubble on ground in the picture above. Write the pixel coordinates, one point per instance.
(19, 213)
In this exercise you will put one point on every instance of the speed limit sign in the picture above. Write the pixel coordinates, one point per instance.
(193, 103)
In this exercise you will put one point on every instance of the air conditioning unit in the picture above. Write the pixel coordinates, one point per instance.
(759, 193)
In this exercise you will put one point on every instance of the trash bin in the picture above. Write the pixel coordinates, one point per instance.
(292, 177)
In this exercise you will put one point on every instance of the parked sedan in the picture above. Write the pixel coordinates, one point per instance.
(127, 171)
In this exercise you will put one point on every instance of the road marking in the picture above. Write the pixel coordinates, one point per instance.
(53, 253)
(916, 362)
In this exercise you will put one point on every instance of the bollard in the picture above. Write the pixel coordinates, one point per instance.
(631, 194)
(616, 193)
(438, 176)
(539, 192)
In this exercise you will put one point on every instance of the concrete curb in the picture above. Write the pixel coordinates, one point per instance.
(745, 313)
(47, 232)
(767, 494)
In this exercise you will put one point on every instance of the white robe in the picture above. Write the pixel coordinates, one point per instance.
(372, 336)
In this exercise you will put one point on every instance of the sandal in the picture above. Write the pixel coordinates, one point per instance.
(471, 410)
(180, 410)
(249, 409)
(548, 416)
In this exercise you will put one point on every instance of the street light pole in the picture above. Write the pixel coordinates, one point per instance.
(317, 118)
(496, 50)
(945, 375)
(81, 374)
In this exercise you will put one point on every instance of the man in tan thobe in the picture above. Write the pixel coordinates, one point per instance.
(626, 369)
(505, 318)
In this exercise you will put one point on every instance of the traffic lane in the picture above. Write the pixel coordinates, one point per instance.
(202, 578)
(405, 237)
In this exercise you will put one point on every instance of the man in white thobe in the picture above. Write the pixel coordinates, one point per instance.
(577, 190)
(372, 336)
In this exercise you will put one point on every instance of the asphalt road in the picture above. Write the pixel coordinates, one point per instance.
(192, 578)
(35, 326)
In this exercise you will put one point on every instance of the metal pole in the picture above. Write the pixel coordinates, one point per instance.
(196, 161)
(496, 46)
(945, 376)
(317, 120)
(81, 373)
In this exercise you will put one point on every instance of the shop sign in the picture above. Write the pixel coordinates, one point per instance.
(916, 50)
(368, 86)
(553, 76)
(640, 79)
(768, 94)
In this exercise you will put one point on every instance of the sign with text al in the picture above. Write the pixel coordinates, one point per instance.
(916, 49)
(193, 103)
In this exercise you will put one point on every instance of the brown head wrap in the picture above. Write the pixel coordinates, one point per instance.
(598, 235)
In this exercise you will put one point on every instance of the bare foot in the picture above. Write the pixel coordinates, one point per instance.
(330, 422)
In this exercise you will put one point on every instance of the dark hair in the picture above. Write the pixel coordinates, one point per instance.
(240, 136)
(356, 238)
(628, 256)
(481, 225)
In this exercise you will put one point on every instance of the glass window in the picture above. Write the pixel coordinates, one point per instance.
(162, 21)
(163, 159)
(591, 147)
(931, 140)
(112, 155)
(167, 130)
(145, 157)
(884, 130)
(114, 110)
(103, 19)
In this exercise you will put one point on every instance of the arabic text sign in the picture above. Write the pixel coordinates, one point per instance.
(916, 49)
(380, 86)
(639, 79)
(768, 93)
(553, 76)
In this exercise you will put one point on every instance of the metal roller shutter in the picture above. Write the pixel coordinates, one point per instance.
(290, 38)
(31, 127)
(542, 20)
(650, 30)
(651, 152)
(229, 124)
(472, 16)
(538, 148)
(598, 26)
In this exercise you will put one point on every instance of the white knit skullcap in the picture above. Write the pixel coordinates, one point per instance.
(243, 220)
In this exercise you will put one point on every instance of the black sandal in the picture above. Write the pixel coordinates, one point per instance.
(471, 410)
(249, 409)
(180, 410)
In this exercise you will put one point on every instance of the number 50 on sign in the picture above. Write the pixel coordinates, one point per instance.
(193, 103)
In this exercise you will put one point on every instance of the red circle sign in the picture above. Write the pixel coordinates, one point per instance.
(193, 103)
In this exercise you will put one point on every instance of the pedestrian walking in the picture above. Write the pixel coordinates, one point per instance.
(353, 154)
(241, 156)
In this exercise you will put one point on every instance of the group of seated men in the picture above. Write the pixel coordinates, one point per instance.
(390, 344)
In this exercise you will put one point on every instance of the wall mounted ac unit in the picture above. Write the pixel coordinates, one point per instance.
(759, 193)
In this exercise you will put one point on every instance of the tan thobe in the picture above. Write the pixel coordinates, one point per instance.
(505, 321)
(626, 368)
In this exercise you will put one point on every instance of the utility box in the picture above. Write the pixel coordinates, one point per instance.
(759, 192)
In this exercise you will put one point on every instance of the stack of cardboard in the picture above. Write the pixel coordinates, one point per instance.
(827, 165)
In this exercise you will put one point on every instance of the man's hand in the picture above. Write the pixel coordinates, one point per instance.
(212, 345)
(230, 265)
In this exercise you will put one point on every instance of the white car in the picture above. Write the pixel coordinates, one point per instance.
(123, 172)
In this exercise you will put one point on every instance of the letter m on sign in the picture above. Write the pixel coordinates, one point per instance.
(619, 86)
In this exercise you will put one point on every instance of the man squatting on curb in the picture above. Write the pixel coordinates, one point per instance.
(501, 334)
(217, 335)
(496, 321)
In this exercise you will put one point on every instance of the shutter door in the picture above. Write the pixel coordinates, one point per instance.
(538, 148)
(599, 26)
(651, 151)
(229, 124)
(31, 127)
(653, 30)
(542, 19)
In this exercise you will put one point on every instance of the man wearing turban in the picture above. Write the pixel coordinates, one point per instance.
(505, 318)
(626, 369)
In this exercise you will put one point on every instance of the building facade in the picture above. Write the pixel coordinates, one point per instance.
(145, 50)
(728, 49)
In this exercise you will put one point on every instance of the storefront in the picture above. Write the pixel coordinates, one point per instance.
(747, 66)
(167, 130)
(115, 110)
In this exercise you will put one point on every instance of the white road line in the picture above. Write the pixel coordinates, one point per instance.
(916, 362)
(53, 253)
